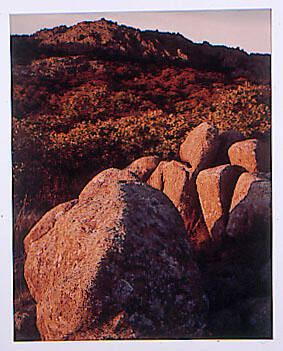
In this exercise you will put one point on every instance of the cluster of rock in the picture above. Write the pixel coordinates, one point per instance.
(162, 249)
(227, 174)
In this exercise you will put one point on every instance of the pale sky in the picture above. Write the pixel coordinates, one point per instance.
(248, 29)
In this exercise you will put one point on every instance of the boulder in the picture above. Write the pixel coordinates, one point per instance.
(117, 264)
(242, 187)
(180, 186)
(250, 211)
(176, 178)
(215, 189)
(200, 147)
(226, 139)
(144, 166)
(177, 181)
(250, 154)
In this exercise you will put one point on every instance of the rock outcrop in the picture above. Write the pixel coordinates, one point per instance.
(113, 40)
(116, 264)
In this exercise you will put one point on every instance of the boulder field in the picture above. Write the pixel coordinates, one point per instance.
(162, 249)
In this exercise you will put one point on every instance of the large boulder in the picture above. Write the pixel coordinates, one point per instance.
(242, 188)
(116, 264)
(215, 189)
(200, 147)
(250, 211)
(144, 166)
(176, 178)
(252, 154)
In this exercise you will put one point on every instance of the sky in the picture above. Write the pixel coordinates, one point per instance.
(248, 29)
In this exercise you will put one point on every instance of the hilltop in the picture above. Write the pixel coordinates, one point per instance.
(107, 39)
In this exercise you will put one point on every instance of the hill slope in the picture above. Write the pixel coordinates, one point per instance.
(108, 39)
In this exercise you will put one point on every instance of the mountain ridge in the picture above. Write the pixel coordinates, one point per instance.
(104, 38)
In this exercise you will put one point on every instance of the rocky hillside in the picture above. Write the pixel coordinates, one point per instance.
(108, 39)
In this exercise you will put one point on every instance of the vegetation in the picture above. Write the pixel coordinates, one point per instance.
(69, 126)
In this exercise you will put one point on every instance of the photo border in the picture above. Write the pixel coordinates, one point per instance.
(14, 7)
